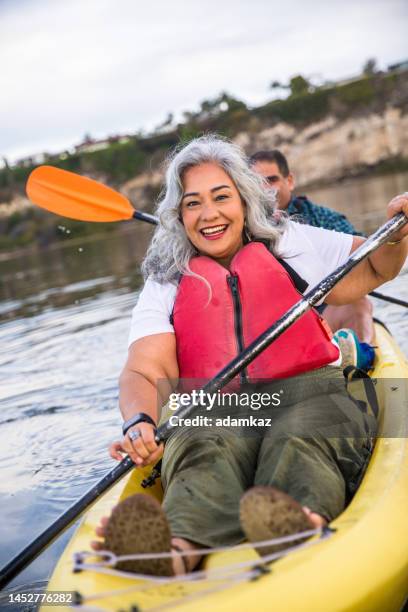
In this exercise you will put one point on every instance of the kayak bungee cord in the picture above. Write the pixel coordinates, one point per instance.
(110, 559)
(254, 568)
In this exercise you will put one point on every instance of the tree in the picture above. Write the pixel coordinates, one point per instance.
(167, 123)
(87, 139)
(299, 85)
(221, 104)
(370, 67)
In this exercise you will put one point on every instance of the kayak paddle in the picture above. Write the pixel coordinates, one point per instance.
(77, 197)
(389, 298)
(310, 299)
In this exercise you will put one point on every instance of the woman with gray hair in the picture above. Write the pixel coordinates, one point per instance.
(222, 266)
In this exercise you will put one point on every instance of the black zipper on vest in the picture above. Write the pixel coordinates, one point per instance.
(233, 285)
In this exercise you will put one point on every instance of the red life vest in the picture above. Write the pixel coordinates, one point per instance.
(245, 301)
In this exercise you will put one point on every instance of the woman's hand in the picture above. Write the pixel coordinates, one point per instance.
(397, 205)
(143, 450)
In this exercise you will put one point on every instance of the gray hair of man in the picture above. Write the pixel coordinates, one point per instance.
(170, 250)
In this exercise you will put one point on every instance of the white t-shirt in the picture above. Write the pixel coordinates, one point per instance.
(312, 252)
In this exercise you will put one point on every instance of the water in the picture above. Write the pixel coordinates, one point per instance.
(64, 318)
(362, 200)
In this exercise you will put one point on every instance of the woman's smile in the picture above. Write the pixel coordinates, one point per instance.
(214, 232)
(212, 212)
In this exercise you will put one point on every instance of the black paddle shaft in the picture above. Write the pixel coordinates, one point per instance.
(389, 298)
(142, 216)
(31, 551)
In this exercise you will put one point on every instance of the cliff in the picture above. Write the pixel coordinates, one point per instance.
(328, 134)
(334, 148)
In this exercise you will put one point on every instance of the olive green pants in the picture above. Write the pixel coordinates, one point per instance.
(315, 449)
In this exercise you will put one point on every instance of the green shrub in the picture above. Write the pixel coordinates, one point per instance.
(298, 109)
(357, 94)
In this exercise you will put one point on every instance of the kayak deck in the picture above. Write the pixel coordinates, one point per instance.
(362, 565)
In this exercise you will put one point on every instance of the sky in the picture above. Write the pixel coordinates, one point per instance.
(71, 67)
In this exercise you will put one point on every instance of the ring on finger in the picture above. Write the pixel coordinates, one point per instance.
(134, 435)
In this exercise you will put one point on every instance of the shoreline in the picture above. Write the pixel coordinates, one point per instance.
(35, 248)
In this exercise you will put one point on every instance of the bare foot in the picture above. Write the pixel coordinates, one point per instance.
(267, 513)
(181, 564)
(185, 564)
(100, 532)
(317, 520)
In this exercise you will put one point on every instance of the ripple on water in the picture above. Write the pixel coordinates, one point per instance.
(58, 397)
(48, 331)
(58, 448)
(37, 587)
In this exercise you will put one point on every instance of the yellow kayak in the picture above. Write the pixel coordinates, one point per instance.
(361, 564)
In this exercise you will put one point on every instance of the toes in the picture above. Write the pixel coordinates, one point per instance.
(100, 531)
(317, 520)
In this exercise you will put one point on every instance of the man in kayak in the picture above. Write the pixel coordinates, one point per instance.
(353, 322)
(219, 269)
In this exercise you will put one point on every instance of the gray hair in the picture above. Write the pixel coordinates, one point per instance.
(170, 250)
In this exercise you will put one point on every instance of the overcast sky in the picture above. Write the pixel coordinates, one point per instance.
(70, 67)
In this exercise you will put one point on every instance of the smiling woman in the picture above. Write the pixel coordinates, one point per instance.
(172, 247)
(214, 215)
(218, 230)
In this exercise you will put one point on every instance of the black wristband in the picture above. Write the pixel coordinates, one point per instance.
(140, 417)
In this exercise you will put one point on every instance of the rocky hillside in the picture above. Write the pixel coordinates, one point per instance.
(334, 148)
(328, 133)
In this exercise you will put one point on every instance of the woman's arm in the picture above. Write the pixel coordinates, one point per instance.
(381, 266)
(149, 375)
(148, 378)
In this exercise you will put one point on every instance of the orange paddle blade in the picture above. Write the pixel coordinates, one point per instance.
(70, 195)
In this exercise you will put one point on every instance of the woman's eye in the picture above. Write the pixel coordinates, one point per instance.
(221, 196)
(192, 203)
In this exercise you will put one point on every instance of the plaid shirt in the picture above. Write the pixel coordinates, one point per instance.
(320, 216)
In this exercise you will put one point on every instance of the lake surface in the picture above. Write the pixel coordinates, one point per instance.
(64, 319)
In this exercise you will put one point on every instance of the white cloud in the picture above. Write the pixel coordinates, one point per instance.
(103, 66)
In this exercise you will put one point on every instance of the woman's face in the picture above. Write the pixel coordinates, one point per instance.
(212, 212)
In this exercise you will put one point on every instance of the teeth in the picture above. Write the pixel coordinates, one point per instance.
(213, 230)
